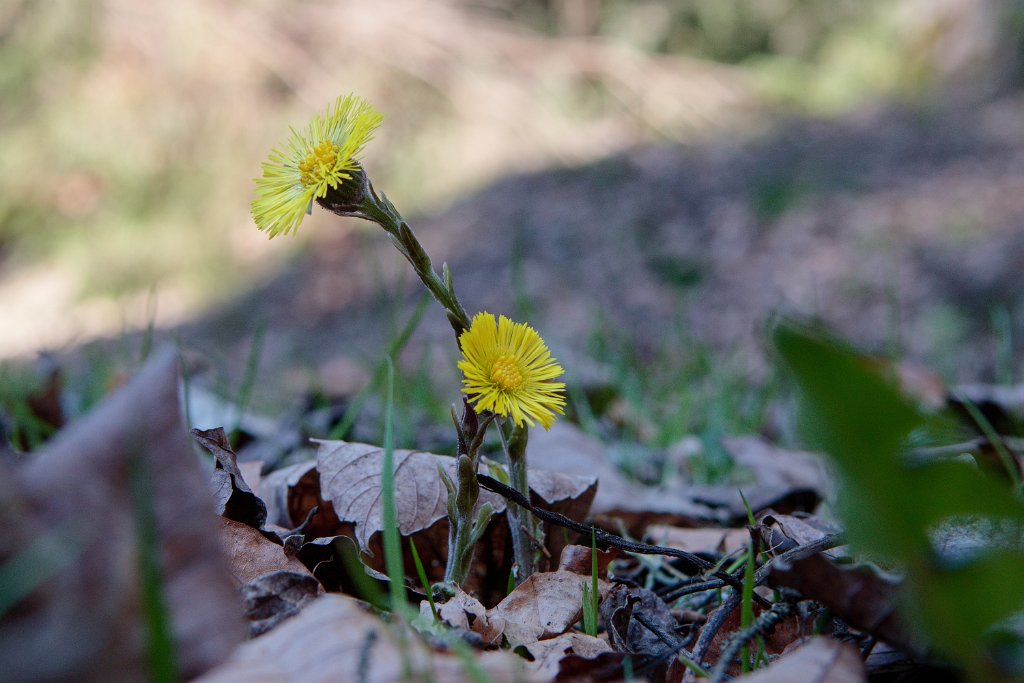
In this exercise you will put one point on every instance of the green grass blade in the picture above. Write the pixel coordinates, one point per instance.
(160, 647)
(389, 511)
(422, 573)
(252, 363)
(394, 350)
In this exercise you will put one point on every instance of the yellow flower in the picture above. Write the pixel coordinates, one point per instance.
(507, 369)
(311, 163)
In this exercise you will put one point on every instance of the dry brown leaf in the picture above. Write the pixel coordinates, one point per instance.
(577, 559)
(625, 633)
(335, 639)
(544, 605)
(799, 530)
(465, 612)
(81, 485)
(274, 597)
(787, 479)
(350, 478)
(232, 496)
(548, 654)
(822, 660)
(566, 449)
(252, 555)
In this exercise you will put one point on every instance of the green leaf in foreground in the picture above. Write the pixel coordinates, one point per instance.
(892, 509)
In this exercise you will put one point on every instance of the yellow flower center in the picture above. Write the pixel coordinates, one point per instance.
(505, 373)
(318, 164)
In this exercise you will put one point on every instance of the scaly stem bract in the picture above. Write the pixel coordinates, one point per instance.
(520, 521)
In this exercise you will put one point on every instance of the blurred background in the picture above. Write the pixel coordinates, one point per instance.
(646, 181)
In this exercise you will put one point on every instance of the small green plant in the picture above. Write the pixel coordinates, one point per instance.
(508, 373)
(893, 507)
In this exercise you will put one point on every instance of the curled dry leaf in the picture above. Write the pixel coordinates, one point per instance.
(232, 496)
(796, 530)
(252, 555)
(822, 660)
(126, 462)
(335, 639)
(577, 559)
(626, 634)
(548, 654)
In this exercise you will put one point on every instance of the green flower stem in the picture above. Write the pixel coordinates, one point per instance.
(381, 211)
(464, 526)
(519, 520)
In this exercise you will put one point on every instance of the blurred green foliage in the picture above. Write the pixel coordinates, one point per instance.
(898, 511)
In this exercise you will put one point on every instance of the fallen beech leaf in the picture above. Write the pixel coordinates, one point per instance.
(128, 460)
(822, 660)
(567, 449)
(274, 597)
(232, 496)
(544, 605)
(548, 654)
(787, 479)
(335, 639)
(252, 555)
(350, 477)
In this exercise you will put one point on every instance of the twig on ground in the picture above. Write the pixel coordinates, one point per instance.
(697, 564)
(718, 617)
(761, 625)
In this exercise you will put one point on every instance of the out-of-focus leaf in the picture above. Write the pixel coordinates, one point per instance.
(274, 597)
(892, 508)
(335, 639)
(861, 595)
(822, 660)
(793, 480)
(87, 622)
(548, 654)
(466, 613)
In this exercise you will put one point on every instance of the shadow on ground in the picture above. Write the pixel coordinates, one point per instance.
(903, 229)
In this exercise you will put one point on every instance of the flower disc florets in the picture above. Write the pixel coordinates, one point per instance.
(312, 163)
(508, 370)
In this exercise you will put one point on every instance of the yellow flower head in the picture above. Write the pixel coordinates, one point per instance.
(507, 369)
(311, 163)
